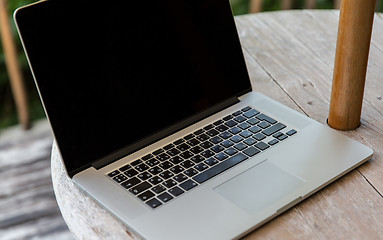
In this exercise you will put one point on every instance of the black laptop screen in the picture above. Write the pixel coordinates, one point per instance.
(111, 73)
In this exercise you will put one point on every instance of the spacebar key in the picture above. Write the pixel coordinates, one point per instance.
(217, 169)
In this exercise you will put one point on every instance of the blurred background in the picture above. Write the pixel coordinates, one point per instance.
(28, 209)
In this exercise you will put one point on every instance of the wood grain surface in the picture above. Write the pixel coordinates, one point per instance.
(290, 57)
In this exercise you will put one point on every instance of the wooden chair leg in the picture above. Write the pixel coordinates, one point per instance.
(337, 4)
(255, 6)
(310, 4)
(353, 45)
(287, 4)
(13, 67)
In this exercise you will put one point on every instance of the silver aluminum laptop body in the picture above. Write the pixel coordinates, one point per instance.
(238, 200)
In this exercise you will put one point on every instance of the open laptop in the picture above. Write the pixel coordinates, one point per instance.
(152, 109)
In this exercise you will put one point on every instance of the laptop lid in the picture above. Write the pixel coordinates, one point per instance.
(117, 76)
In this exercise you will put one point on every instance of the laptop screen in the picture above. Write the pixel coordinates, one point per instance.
(114, 73)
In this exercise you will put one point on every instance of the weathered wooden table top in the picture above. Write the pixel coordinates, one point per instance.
(290, 57)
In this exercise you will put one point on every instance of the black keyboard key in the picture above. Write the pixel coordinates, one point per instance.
(166, 165)
(291, 132)
(153, 203)
(235, 130)
(217, 148)
(155, 180)
(211, 161)
(216, 140)
(135, 163)
(255, 129)
(231, 151)
(201, 167)
(253, 121)
(207, 154)
(131, 182)
(130, 173)
(271, 130)
(281, 138)
(190, 172)
(212, 132)
(264, 117)
(172, 152)
(264, 125)
(166, 175)
(245, 109)
(146, 195)
(251, 113)
(227, 118)
(206, 145)
(217, 123)
(183, 147)
(187, 164)
(226, 135)
(120, 178)
(188, 137)
(227, 143)
(158, 152)
(221, 156)
(186, 155)
(240, 119)
(240, 146)
(203, 137)
(147, 157)
(236, 139)
(198, 132)
(208, 127)
(219, 168)
(180, 178)
(169, 183)
(277, 135)
(165, 197)
(259, 136)
(197, 159)
(144, 176)
(158, 189)
(246, 134)
(142, 167)
(189, 184)
(273, 142)
(163, 157)
(244, 125)
(231, 123)
(251, 151)
(250, 141)
(222, 128)
(140, 188)
(126, 167)
(239, 112)
(152, 162)
(193, 142)
(114, 173)
(176, 160)
(176, 191)
(196, 150)
(155, 170)
(179, 141)
(177, 169)
(168, 147)
(261, 145)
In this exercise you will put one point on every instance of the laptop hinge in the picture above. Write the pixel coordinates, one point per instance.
(164, 133)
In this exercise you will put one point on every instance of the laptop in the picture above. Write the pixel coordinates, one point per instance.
(154, 115)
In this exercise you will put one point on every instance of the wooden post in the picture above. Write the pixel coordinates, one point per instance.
(354, 37)
(310, 4)
(337, 4)
(255, 6)
(287, 4)
(14, 72)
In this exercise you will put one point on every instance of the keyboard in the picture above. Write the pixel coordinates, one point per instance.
(179, 167)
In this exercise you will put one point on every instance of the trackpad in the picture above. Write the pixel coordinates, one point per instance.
(259, 187)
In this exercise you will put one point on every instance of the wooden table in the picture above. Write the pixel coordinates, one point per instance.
(290, 57)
